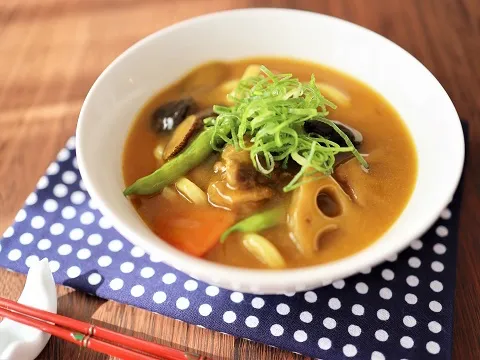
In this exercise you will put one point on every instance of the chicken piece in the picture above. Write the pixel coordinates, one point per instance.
(241, 186)
(238, 170)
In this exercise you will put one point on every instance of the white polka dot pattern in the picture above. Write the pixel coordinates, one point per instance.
(329, 323)
(376, 355)
(30, 260)
(411, 298)
(358, 310)
(339, 284)
(182, 303)
(382, 313)
(76, 234)
(137, 290)
(433, 347)
(116, 284)
(349, 350)
(57, 229)
(127, 267)
(406, 342)
(388, 274)
(21, 215)
(169, 278)
(94, 279)
(412, 280)
(148, 272)
(212, 291)
(306, 317)
(26, 238)
(434, 327)
(381, 335)
(334, 304)
(159, 297)
(276, 330)
(361, 288)
(300, 336)
(84, 254)
(385, 293)
(44, 244)
(65, 249)
(310, 297)
(354, 330)
(283, 309)
(236, 297)
(73, 272)
(251, 321)
(229, 317)
(324, 343)
(104, 261)
(409, 321)
(258, 303)
(205, 309)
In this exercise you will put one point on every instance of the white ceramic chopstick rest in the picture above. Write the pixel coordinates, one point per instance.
(19, 341)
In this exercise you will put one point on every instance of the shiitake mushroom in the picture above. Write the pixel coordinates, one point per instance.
(169, 115)
(184, 132)
(328, 132)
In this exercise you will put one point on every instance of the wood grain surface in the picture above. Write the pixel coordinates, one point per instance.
(51, 52)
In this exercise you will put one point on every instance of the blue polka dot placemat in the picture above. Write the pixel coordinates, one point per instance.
(402, 309)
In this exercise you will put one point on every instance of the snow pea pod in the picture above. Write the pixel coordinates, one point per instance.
(175, 168)
(257, 222)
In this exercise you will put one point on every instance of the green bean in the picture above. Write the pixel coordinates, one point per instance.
(257, 222)
(175, 168)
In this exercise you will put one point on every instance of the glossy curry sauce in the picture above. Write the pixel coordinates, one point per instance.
(381, 194)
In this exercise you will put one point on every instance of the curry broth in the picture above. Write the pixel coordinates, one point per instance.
(384, 191)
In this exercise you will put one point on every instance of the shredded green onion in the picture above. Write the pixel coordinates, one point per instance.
(267, 119)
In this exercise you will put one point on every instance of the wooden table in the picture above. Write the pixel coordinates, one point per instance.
(51, 51)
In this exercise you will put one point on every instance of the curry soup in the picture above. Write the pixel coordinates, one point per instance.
(319, 219)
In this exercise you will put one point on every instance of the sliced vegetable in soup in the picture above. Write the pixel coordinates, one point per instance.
(285, 164)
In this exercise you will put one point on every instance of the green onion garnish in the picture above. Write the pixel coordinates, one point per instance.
(267, 118)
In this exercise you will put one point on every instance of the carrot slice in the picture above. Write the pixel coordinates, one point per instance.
(192, 228)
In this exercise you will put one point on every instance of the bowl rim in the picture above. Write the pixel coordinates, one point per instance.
(337, 269)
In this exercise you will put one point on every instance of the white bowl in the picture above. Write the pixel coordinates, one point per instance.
(163, 57)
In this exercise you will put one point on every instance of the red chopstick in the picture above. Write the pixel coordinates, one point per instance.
(90, 336)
